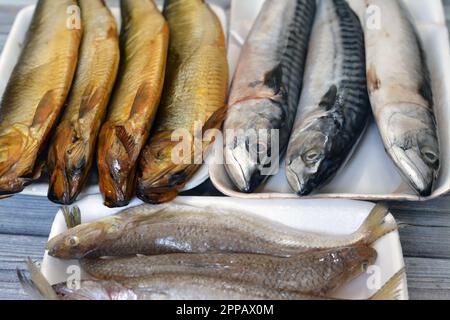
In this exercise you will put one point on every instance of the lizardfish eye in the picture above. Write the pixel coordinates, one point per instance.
(365, 266)
(72, 241)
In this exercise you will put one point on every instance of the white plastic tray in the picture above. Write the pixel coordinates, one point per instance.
(325, 216)
(8, 60)
(370, 173)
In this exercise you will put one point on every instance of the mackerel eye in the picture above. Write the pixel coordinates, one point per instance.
(73, 241)
(429, 155)
(312, 156)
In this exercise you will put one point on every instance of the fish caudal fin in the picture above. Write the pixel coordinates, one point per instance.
(392, 289)
(37, 287)
(72, 216)
(376, 225)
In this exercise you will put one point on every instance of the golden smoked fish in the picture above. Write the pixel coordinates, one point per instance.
(167, 286)
(36, 91)
(72, 150)
(176, 228)
(194, 92)
(316, 273)
(144, 42)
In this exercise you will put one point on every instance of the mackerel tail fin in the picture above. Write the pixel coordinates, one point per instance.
(392, 289)
(37, 287)
(376, 225)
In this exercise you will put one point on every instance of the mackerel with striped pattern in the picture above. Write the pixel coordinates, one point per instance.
(334, 105)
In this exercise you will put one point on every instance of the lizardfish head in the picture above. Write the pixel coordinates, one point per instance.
(84, 239)
(357, 259)
(306, 161)
(413, 145)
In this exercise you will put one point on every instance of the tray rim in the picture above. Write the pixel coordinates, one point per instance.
(46, 262)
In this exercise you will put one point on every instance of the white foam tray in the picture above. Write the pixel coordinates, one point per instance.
(325, 216)
(369, 174)
(8, 60)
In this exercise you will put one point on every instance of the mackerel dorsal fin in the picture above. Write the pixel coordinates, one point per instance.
(329, 99)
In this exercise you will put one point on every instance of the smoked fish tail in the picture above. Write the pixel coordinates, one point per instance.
(72, 150)
(194, 97)
(36, 91)
(144, 42)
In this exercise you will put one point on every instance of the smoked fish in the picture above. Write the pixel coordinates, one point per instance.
(73, 147)
(194, 97)
(144, 41)
(36, 91)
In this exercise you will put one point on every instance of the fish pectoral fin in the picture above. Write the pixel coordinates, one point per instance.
(126, 140)
(90, 100)
(274, 79)
(215, 120)
(44, 110)
(140, 103)
(329, 99)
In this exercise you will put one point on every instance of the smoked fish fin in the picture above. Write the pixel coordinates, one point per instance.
(44, 109)
(391, 290)
(92, 97)
(140, 103)
(126, 139)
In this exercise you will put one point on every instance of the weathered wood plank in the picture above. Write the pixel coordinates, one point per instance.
(14, 251)
(428, 279)
(26, 215)
(426, 242)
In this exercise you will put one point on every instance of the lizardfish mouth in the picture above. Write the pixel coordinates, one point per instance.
(412, 166)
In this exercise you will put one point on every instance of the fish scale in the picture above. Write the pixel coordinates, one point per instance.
(266, 86)
(72, 148)
(144, 42)
(334, 105)
(35, 94)
(400, 90)
(173, 228)
(194, 96)
(311, 273)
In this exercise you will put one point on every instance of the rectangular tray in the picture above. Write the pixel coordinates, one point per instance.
(8, 60)
(369, 174)
(325, 216)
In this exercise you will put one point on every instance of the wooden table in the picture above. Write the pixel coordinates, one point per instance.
(425, 227)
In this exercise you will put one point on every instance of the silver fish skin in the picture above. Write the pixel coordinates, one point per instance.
(316, 273)
(175, 287)
(401, 95)
(266, 89)
(193, 287)
(334, 105)
(177, 228)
